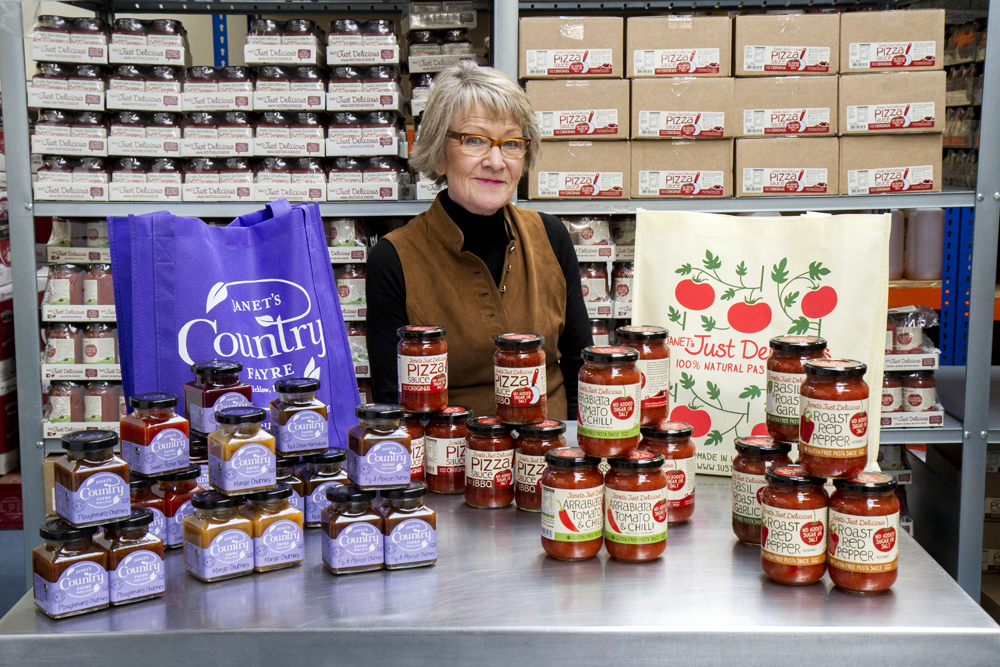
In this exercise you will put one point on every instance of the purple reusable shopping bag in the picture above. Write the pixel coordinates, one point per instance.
(259, 291)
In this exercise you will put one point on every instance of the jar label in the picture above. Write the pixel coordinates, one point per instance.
(358, 545)
(919, 400)
(609, 411)
(578, 122)
(93, 409)
(879, 117)
(99, 350)
(793, 537)
(101, 498)
(621, 289)
(297, 501)
(519, 387)
(81, 586)
(572, 515)
(866, 544)
(411, 541)
(892, 399)
(417, 457)
(203, 477)
(655, 382)
(786, 58)
(60, 351)
(444, 456)
(231, 552)
(89, 292)
(203, 419)
(139, 575)
(387, 463)
(908, 338)
(528, 472)
(175, 528)
(316, 501)
(351, 291)
(58, 291)
(489, 470)
(680, 482)
(834, 429)
(602, 339)
(783, 397)
(568, 62)
(658, 62)
(870, 55)
(635, 517)
(167, 451)
(888, 341)
(746, 497)
(158, 527)
(423, 375)
(685, 124)
(594, 289)
(305, 430)
(252, 466)
(282, 542)
(60, 409)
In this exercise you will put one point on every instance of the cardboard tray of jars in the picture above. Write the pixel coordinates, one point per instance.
(348, 254)
(81, 372)
(59, 429)
(66, 255)
(926, 419)
(605, 253)
(61, 313)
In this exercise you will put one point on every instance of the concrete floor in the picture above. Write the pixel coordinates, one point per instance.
(12, 582)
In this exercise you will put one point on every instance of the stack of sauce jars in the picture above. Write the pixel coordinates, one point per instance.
(422, 388)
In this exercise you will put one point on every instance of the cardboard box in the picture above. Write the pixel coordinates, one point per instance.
(772, 45)
(687, 108)
(11, 507)
(784, 166)
(681, 168)
(991, 535)
(892, 103)
(581, 108)
(880, 164)
(580, 46)
(679, 46)
(786, 106)
(581, 170)
(992, 501)
(911, 39)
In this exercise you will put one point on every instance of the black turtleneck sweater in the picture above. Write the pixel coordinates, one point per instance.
(486, 237)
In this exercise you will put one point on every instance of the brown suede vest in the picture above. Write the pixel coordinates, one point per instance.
(454, 289)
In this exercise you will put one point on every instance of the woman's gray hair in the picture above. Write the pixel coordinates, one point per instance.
(457, 92)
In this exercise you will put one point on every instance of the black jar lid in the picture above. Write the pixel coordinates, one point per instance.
(762, 445)
(213, 500)
(378, 411)
(89, 441)
(153, 400)
(421, 331)
(570, 457)
(411, 417)
(518, 341)
(216, 367)
(185, 475)
(326, 458)
(547, 427)
(137, 518)
(412, 491)
(667, 431)
(140, 483)
(792, 475)
(834, 367)
(488, 426)
(641, 332)
(609, 354)
(348, 493)
(197, 443)
(867, 482)
(296, 385)
(241, 415)
(286, 465)
(281, 490)
(798, 343)
(57, 530)
(452, 413)
(638, 459)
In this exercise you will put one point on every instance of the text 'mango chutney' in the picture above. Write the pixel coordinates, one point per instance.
(793, 526)
(241, 453)
(784, 379)
(864, 530)
(609, 401)
(654, 368)
(572, 505)
(754, 455)
(422, 368)
(833, 430)
(635, 501)
(519, 378)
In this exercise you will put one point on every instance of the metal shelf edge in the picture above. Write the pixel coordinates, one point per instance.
(221, 209)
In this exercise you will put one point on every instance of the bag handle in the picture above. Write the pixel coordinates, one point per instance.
(278, 207)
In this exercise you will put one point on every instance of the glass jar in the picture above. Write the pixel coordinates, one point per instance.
(135, 558)
(621, 282)
(65, 285)
(919, 392)
(378, 455)
(352, 532)
(322, 472)
(154, 437)
(241, 455)
(100, 402)
(412, 423)
(673, 440)
(51, 28)
(271, 79)
(236, 170)
(165, 32)
(218, 540)
(129, 31)
(166, 170)
(53, 123)
(141, 495)
(409, 528)
(908, 338)
(833, 430)
(381, 79)
(300, 32)
(50, 76)
(572, 505)
(422, 363)
(635, 495)
(90, 125)
(233, 79)
(69, 571)
(199, 455)
(623, 230)
(610, 390)
(287, 474)
(344, 33)
(90, 170)
(278, 538)
(298, 419)
(589, 229)
(519, 378)
(98, 289)
(216, 385)
(424, 43)
(235, 125)
(90, 78)
(489, 463)
(784, 380)
(307, 78)
(444, 453)
(344, 170)
(128, 125)
(378, 32)
(456, 42)
(164, 79)
(892, 393)
(594, 281)
(599, 333)
(176, 489)
(793, 526)
(128, 78)
(265, 31)
(271, 170)
(86, 30)
(654, 369)
(201, 79)
(864, 529)
(201, 170)
(64, 344)
(754, 456)
(66, 402)
(533, 442)
(164, 125)
(91, 483)
(890, 336)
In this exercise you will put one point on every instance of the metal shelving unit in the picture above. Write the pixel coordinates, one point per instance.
(224, 209)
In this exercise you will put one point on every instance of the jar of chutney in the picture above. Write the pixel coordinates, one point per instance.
(298, 419)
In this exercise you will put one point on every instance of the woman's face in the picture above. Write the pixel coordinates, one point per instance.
(481, 185)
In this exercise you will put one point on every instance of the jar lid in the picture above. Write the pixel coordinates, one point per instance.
(641, 333)
(452, 413)
(281, 490)
(420, 331)
(213, 500)
(58, 530)
(153, 399)
(518, 341)
(137, 518)
(89, 441)
(667, 431)
(798, 343)
(413, 417)
(296, 385)
(762, 445)
(240, 415)
(489, 426)
(867, 482)
(606, 354)
(198, 442)
(378, 411)
(140, 483)
(793, 475)
(834, 367)
(547, 427)
(286, 465)
(329, 456)
(919, 374)
(348, 493)
(638, 459)
(187, 474)
(412, 491)
(570, 457)
(216, 367)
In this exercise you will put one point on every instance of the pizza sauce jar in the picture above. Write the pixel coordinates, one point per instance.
(298, 419)
(754, 456)
(216, 385)
(793, 526)
(572, 505)
(278, 539)
(533, 441)
(489, 463)
(154, 437)
(69, 571)
(413, 424)
(519, 378)
(673, 440)
(864, 527)
(218, 540)
(240, 453)
(91, 482)
(654, 369)
(784, 378)
(176, 489)
(135, 558)
(141, 495)
(378, 450)
(409, 529)
(635, 495)
(892, 393)
(919, 392)
(833, 430)
(444, 449)
(422, 368)
(609, 401)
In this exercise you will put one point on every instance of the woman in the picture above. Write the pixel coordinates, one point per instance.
(474, 263)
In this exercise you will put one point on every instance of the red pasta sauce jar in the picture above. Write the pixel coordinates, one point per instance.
(533, 442)
(635, 501)
(609, 401)
(793, 526)
(784, 378)
(444, 449)
(754, 456)
(422, 368)
(572, 505)
(654, 369)
(519, 378)
(833, 430)
(862, 548)
(673, 440)
(412, 423)
(489, 463)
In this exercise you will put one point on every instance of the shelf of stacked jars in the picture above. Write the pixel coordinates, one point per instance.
(605, 247)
